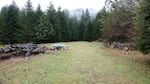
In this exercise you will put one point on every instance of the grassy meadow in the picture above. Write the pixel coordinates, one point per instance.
(82, 63)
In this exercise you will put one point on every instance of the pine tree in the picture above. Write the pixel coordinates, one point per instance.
(87, 32)
(45, 30)
(2, 22)
(64, 21)
(57, 25)
(74, 29)
(142, 25)
(10, 28)
(38, 15)
(81, 25)
(99, 23)
(29, 22)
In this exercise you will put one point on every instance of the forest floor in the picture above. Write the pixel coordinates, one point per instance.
(82, 63)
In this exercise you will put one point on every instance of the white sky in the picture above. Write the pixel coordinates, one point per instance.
(65, 4)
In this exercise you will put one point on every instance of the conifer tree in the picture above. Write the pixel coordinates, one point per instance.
(10, 28)
(29, 22)
(87, 32)
(142, 25)
(45, 30)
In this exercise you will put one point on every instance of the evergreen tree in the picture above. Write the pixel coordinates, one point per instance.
(142, 25)
(64, 19)
(98, 23)
(10, 28)
(29, 22)
(74, 29)
(22, 21)
(87, 32)
(38, 14)
(2, 22)
(53, 19)
(81, 25)
(45, 30)
(57, 26)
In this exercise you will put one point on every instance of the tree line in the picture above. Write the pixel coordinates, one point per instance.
(126, 21)
(119, 21)
(53, 25)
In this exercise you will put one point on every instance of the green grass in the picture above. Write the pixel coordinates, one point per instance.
(1, 46)
(83, 63)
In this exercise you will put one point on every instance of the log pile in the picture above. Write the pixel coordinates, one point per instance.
(21, 50)
(121, 46)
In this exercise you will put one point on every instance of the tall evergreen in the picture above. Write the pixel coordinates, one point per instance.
(64, 19)
(29, 22)
(10, 27)
(74, 29)
(98, 23)
(45, 30)
(53, 19)
(81, 25)
(142, 25)
(38, 16)
(2, 22)
(57, 25)
(87, 32)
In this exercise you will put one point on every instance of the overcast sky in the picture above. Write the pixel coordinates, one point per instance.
(65, 4)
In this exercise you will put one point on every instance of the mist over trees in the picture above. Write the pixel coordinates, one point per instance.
(53, 25)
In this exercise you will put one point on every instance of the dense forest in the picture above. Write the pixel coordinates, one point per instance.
(119, 21)
(52, 25)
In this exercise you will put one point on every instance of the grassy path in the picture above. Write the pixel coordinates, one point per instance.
(83, 63)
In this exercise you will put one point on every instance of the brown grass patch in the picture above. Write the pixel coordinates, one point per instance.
(134, 57)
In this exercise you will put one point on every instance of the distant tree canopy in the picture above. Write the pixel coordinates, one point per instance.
(29, 25)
